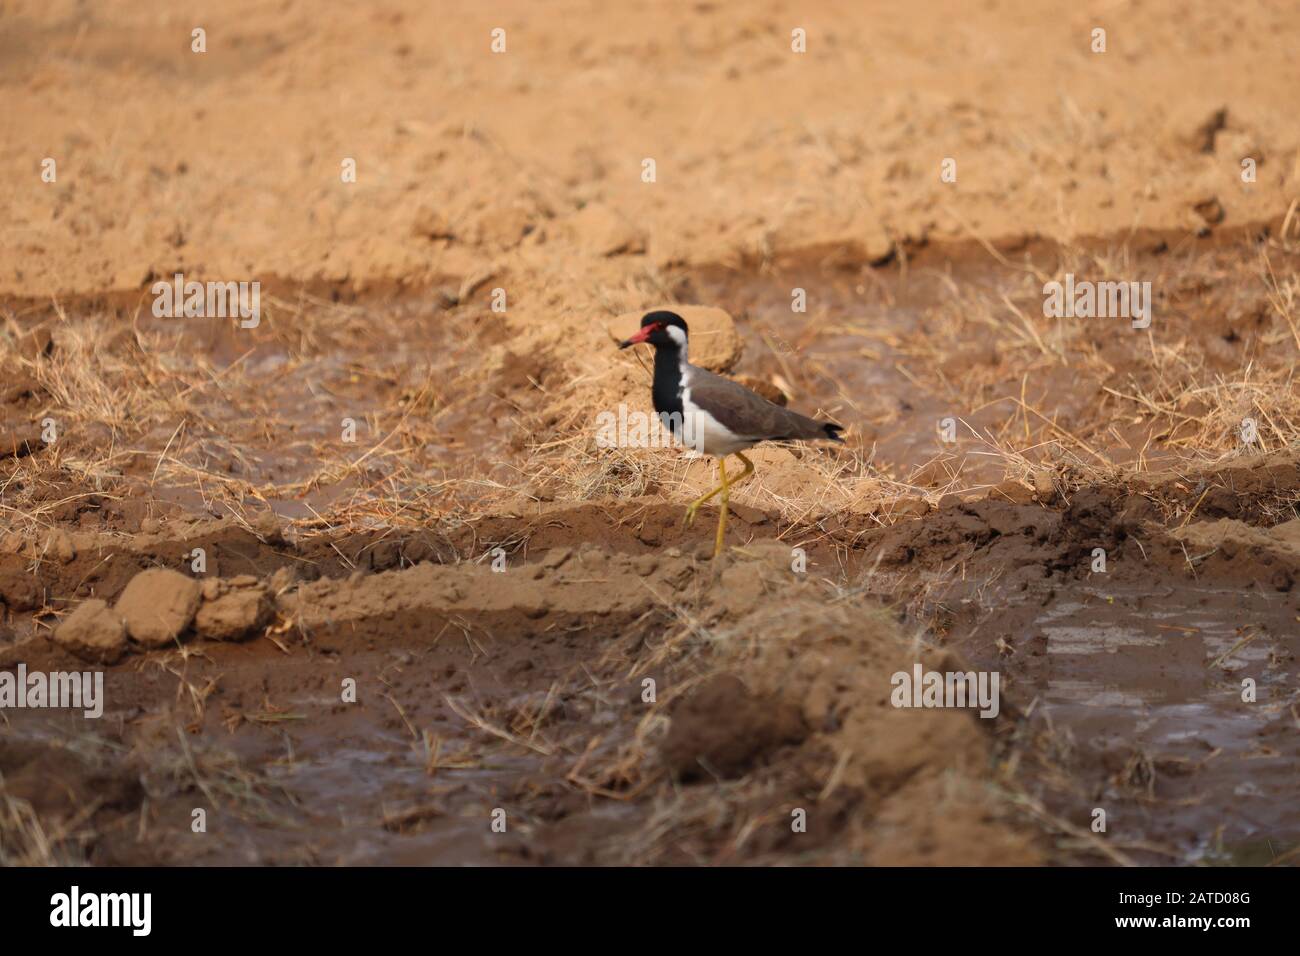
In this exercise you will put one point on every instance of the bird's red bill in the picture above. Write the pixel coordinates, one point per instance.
(642, 334)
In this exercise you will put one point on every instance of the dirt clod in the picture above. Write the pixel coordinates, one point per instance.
(235, 615)
(158, 605)
(94, 632)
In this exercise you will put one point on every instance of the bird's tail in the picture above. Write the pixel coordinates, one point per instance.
(833, 431)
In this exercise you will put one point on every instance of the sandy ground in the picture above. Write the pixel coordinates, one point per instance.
(459, 630)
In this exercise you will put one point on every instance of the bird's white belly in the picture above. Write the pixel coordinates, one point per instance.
(706, 434)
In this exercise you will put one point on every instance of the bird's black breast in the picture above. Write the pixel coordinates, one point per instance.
(666, 391)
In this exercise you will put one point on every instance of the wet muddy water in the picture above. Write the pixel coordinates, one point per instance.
(1174, 709)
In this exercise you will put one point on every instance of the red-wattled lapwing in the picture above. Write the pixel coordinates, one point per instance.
(713, 414)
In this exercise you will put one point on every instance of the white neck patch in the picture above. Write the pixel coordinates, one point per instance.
(679, 338)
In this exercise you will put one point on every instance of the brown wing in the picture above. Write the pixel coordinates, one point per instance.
(747, 413)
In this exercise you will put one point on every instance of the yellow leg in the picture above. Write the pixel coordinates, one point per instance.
(722, 515)
(694, 506)
(748, 470)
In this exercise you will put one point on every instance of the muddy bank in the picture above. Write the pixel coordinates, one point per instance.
(607, 705)
(384, 714)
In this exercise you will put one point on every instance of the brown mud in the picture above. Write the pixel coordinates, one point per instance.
(521, 688)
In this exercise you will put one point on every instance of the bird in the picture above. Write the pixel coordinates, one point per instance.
(715, 415)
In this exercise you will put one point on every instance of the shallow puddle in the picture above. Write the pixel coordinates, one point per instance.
(325, 407)
(1145, 708)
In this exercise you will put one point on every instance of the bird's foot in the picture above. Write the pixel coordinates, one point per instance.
(689, 519)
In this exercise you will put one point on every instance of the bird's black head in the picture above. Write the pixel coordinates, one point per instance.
(660, 328)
